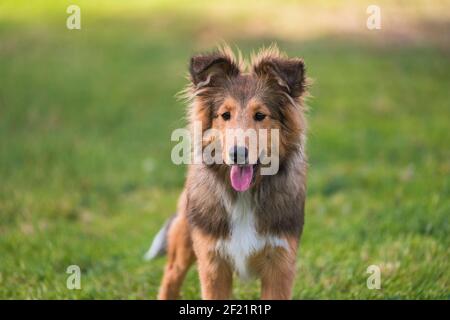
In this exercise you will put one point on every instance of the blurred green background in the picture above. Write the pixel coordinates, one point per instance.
(86, 117)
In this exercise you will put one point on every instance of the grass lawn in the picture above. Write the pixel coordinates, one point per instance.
(86, 177)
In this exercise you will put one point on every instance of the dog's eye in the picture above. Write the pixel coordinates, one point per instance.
(226, 116)
(259, 116)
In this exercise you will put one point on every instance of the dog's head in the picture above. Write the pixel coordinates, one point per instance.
(251, 120)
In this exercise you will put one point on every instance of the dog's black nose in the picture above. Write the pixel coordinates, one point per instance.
(239, 155)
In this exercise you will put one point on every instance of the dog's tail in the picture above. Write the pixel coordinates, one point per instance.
(158, 248)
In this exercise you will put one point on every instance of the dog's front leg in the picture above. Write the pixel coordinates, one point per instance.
(278, 273)
(216, 275)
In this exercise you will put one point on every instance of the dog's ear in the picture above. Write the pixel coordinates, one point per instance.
(287, 73)
(210, 69)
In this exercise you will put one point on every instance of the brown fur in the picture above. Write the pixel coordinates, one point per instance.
(275, 86)
(180, 254)
(276, 268)
(216, 274)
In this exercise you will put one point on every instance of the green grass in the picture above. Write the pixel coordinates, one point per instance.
(86, 176)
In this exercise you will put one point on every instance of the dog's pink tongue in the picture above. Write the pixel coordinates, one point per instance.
(241, 177)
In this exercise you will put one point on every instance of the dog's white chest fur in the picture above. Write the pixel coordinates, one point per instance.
(244, 240)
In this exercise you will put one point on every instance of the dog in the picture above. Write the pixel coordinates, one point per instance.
(232, 219)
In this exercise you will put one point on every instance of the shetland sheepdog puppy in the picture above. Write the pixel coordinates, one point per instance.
(232, 218)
